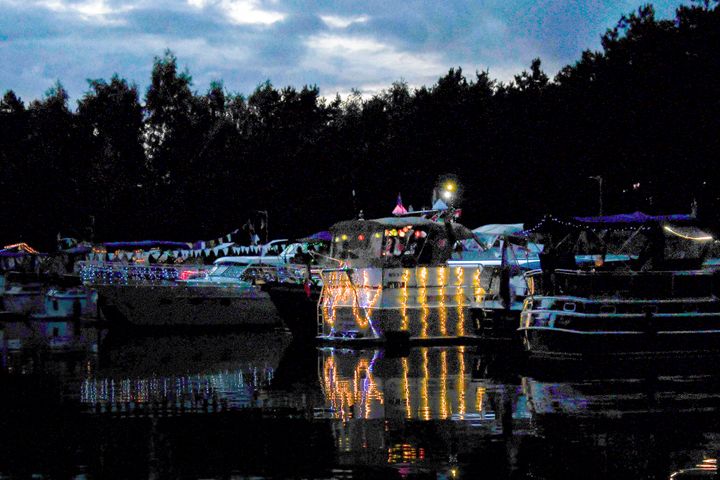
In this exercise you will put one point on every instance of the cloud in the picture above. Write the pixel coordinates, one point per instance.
(90, 10)
(241, 12)
(336, 21)
(336, 45)
(362, 62)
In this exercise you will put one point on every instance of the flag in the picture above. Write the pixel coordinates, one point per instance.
(399, 208)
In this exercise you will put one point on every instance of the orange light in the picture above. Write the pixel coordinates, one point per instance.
(22, 246)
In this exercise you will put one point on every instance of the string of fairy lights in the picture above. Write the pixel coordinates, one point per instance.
(551, 219)
(105, 274)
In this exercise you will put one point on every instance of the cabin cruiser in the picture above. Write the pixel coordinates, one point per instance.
(394, 282)
(651, 298)
(222, 297)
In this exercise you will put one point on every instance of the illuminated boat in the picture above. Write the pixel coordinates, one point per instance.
(395, 282)
(653, 300)
(223, 297)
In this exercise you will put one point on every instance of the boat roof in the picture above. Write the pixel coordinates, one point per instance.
(636, 218)
(622, 221)
(461, 232)
(496, 229)
(239, 260)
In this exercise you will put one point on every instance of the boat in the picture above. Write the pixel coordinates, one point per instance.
(508, 256)
(394, 282)
(295, 285)
(652, 298)
(222, 297)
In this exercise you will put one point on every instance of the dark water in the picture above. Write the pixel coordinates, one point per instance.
(256, 405)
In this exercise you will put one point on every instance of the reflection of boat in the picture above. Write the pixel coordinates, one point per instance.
(622, 398)
(222, 297)
(395, 282)
(622, 426)
(656, 302)
(54, 333)
(189, 371)
(70, 302)
(421, 413)
(707, 468)
(430, 383)
(24, 298)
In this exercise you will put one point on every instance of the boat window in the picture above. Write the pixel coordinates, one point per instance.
(234, 271)
(569, 307)
(359, 244)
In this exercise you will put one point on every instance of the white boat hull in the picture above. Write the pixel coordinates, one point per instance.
(419, 304)
(187, 306)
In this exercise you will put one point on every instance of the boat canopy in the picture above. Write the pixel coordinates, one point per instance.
(322, 236)
(489, 234)
(636, 218)
(647, 242)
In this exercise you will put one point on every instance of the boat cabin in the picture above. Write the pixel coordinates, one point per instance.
(395, 242)
(631, 254)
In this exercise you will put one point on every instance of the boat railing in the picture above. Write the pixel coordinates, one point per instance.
(624, 284)
(111, 273)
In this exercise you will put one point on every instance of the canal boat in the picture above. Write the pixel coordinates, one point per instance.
(394, 282)
(653, 300)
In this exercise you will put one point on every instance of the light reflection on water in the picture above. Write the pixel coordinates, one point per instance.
(258, 404)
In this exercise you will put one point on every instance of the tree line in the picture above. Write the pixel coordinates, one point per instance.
(642, 114)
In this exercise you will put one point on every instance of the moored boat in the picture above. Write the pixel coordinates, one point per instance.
(395, 282)
(223, 297)
(655, 299)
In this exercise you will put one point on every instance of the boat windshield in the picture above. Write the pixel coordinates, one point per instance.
(391, 242)
(231, 270)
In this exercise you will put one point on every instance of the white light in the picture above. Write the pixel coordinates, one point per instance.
(447, 194)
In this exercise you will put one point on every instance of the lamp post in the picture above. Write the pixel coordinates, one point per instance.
(599, 179)
(448, 191)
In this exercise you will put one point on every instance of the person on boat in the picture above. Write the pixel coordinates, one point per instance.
(299, 256)
(548, 263)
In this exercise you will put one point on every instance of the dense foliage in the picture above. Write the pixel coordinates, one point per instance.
(643, 114)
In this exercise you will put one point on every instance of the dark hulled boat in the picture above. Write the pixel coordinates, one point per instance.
(654, 300)
(297, 305)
